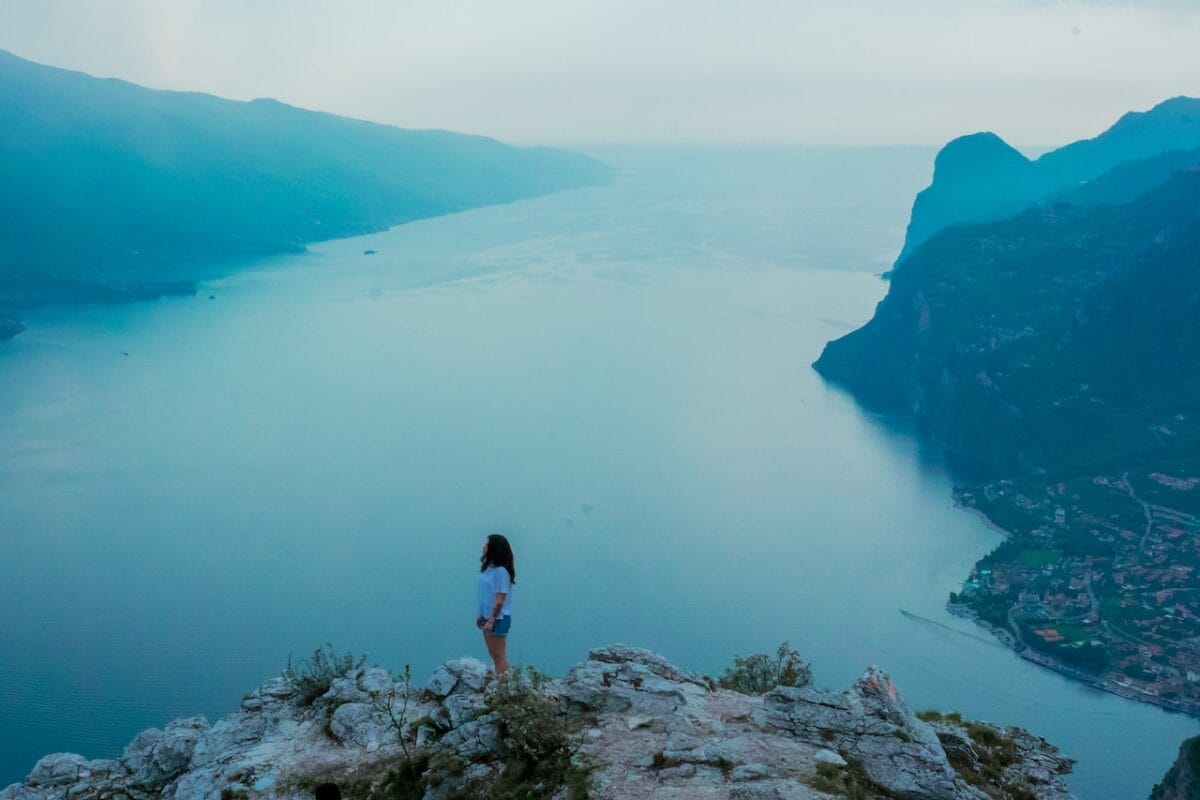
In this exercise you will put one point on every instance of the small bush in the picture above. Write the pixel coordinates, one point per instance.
(538, 751)
(994, 753)
(311, 677)
(760, 673)
(849, 781)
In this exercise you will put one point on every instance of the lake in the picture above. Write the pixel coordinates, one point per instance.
(618, 378)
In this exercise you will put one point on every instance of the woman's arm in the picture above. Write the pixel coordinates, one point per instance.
(496, 609)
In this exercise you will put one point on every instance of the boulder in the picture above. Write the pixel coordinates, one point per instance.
(359, 724)
(58, 769)
(467, 674)
(156, 757)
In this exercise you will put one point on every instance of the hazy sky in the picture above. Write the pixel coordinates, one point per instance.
(834, 71)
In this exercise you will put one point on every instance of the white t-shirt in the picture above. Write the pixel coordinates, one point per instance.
(493, 581)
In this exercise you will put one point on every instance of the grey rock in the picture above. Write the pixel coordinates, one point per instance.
(458, 709)
(749, 772)
(755, 792)
(462, 674)
(655, 663)
(277, 688)
(629, 679)
(653, 730)
(103, 767)
(829, 757)
(358, 724)
(21, 791)
(344, 690)
(58, 769)
(636, 721)
(156, 757)
(474, 740)
(376, 681)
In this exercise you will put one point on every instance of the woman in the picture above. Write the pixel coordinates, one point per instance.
(497, 574)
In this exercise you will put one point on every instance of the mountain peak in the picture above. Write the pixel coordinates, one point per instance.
(974, 156)
(981, 178)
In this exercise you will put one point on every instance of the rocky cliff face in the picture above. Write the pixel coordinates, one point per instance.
(1182, 781)
(646, 728)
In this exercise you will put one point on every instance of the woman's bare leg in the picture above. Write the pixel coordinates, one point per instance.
(497, 647)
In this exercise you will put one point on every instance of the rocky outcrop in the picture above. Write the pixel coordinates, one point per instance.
(1182, 781)
(646, 728)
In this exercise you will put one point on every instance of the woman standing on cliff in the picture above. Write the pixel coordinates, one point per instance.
(497, 574)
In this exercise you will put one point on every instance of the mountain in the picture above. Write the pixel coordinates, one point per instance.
(1053, 339)
(1182, 781)
(623, 725)
(1054, 353)
(111, 191)
(979, 178)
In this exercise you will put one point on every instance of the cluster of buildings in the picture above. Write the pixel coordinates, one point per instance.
(1099, 577)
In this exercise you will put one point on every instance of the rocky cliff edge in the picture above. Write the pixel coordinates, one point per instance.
(646, 729)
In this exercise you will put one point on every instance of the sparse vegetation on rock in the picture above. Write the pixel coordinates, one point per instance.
(760, 672)
(625, 724)
(311, 677)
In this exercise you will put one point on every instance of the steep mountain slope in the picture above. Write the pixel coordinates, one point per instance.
(979, 178)
(1056, 336)
(1055, 352)
(1182, 781)
(111, 191)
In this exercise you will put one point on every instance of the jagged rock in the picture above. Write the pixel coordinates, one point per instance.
(629, 679)
(1182, 781)
(58, 769)
(344, 690)
(829, 757)
(469, 673)
(359, 724)
(474, 740)
(653, 730)
(155, 757)
(21, 791)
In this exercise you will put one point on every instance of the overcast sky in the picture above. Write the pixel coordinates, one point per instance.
(574, 71)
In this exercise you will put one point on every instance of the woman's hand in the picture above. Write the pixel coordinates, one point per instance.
(479, 621)
(487, 626)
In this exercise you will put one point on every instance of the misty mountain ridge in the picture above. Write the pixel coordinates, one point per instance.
(980, 178)
(113, 191)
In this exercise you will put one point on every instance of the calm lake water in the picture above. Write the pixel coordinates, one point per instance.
(618, 378)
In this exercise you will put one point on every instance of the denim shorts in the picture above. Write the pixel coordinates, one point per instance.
(500, 627)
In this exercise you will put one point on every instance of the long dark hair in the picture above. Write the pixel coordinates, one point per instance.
(499, 554)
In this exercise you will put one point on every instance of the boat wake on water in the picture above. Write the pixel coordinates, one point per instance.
(933, 622)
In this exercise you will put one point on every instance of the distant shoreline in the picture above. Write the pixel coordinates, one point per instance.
(99, 294)
(1050, 662)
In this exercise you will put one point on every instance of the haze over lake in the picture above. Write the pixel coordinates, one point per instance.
(617, 378)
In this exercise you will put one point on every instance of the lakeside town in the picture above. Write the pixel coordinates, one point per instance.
(1097, 579)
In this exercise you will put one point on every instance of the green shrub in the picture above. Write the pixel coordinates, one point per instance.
(760, 673)
(850, 781)
(994, 751)
(311, 677)
(538, 752)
